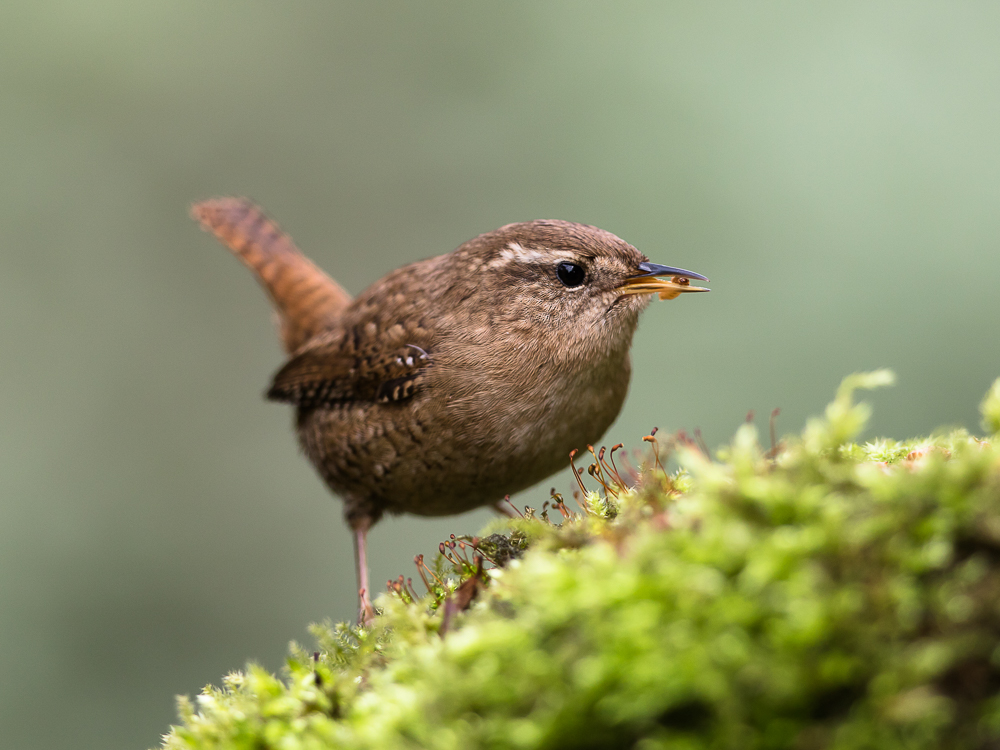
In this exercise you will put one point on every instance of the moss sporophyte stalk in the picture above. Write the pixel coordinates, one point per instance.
(821, 593)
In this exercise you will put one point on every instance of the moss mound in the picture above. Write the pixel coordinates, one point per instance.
(821, 594)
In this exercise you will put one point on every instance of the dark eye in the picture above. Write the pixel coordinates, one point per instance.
(570, 274)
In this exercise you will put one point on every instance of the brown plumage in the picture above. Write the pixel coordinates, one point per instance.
(306, 299)
(456, 380)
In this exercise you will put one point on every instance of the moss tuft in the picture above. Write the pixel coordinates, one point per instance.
(821, 594)
(990, 409)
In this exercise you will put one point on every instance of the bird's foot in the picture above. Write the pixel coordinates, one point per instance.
(366, 612)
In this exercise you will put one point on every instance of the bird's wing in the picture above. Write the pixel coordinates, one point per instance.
(328, 372)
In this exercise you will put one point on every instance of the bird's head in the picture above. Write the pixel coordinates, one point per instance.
(571, 279)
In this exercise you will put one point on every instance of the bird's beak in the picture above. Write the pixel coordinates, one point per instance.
(647, 281)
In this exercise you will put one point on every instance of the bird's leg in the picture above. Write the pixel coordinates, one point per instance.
(366, 613)
(505, 508)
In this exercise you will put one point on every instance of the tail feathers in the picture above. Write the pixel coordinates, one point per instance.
(306, 299)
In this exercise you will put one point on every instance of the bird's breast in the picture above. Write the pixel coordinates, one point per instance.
(525, 409)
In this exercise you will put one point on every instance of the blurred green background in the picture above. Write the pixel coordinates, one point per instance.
(834, 169)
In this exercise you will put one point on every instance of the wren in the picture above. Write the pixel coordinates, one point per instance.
(456, 380)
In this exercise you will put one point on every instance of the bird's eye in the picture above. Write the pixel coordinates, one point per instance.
(570, 274)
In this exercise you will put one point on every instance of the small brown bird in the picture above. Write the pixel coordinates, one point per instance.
(457, 380)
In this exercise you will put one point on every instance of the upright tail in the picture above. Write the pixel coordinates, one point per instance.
(306, 299)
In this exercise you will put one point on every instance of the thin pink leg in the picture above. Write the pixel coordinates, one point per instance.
(366, 613)
(504, 508)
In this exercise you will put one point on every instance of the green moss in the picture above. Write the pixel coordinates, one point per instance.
(990, 409)
(833, 595)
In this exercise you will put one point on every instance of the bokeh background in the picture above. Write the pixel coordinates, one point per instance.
(835, 169)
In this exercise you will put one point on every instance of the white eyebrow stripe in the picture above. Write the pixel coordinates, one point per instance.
(515, 252)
